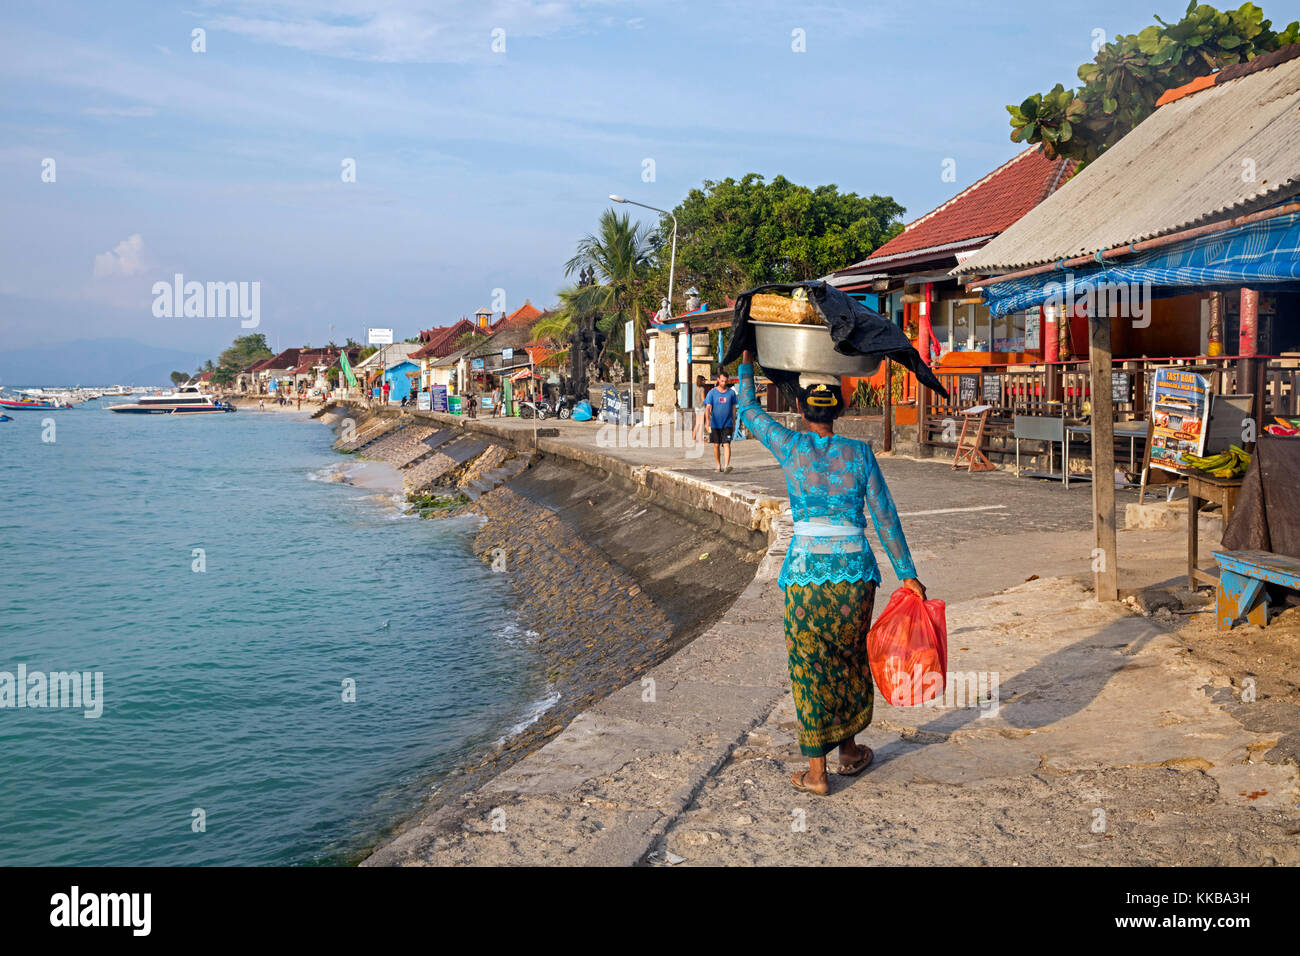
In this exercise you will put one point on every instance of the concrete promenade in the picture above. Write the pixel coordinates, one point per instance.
(1089, 734)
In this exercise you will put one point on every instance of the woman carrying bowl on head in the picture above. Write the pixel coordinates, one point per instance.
(830, 574)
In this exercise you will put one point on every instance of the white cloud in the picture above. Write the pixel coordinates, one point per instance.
(128, 111)
(127, 258)
(398, 31)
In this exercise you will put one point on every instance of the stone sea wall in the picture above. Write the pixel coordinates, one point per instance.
(609, 575)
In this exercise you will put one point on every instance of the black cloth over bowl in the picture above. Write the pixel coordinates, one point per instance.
(1265, 517)
(855, 330)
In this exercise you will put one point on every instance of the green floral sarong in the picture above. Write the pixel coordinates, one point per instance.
(826, 636)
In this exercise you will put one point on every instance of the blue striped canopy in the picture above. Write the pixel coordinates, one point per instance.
(1257, 253)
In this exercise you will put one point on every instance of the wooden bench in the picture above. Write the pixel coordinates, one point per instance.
(1242, 579)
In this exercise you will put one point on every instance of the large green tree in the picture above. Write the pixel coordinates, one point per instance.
(1122, 83)
(738, 233)
(244, 351)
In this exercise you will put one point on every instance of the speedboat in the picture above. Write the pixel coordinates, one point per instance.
(186, 400)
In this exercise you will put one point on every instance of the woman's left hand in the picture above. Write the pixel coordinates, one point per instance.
(912, 584)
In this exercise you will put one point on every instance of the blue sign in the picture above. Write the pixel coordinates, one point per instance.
(439, 398)
(615, 405)
(476, 365)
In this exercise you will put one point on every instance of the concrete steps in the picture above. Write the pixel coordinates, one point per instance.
(495, 477)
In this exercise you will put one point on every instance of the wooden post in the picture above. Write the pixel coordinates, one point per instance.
(1104, 560)
(889, 406)
(1214, 345)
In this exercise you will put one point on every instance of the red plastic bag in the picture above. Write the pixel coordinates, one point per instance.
(908, 649)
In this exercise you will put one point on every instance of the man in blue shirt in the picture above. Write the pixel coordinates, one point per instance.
(721, 403)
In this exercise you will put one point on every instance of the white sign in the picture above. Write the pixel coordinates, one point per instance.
(1032, 327)
(507, 354)
(628, 334)
(379, 336)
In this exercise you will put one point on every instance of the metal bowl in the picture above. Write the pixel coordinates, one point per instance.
(807, 348)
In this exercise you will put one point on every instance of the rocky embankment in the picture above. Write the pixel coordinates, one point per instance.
(609, 578)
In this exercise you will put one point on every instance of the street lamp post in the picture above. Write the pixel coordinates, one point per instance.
(672, 261)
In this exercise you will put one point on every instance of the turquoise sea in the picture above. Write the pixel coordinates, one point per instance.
(223, 688)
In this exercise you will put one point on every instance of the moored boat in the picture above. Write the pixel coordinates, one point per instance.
(186, 400)
(23, 403)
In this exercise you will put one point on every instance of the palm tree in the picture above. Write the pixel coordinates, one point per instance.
(620, 253)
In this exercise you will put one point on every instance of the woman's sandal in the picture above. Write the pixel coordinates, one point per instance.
(859, 765)
(797, 781)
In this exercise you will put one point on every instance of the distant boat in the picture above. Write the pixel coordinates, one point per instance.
(24, 404)
(186, 400)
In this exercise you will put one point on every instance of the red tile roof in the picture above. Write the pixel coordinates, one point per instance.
(442, 341)
(286, 359)
(984, 209)
(523, 313)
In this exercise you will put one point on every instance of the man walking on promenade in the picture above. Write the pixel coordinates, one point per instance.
(721, 403)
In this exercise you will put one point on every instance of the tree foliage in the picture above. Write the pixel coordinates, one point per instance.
(244, 351)
(620, 253)
(1122, 83)
(736, 234)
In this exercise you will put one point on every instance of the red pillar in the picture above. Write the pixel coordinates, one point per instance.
(923, 335)
(1248, 338)
(1250, 379)
(1049, 336)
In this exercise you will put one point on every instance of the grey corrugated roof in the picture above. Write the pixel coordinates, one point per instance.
(1181, 167)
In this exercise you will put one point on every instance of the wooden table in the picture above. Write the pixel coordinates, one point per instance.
(1203, 488)
(1244, 577)
(1133, 431)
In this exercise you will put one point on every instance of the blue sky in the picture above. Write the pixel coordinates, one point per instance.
(476, 170)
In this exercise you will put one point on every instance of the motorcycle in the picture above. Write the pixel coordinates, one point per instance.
(538, 410)
(564, 407)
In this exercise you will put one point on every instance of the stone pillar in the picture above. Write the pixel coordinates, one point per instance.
(662, 376)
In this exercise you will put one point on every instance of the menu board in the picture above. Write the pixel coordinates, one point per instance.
(968, 387)
(993, 389)
(1119, 387)
(1180, 406)
(422, 402)
(439, 398)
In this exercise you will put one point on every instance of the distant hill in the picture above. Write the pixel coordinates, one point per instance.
(95, 362)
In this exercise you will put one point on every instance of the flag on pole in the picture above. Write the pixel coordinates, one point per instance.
(347, 369)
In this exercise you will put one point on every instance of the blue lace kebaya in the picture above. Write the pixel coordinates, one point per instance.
(828, 480)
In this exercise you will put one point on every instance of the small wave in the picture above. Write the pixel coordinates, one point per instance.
(517, 635)
(532, 715)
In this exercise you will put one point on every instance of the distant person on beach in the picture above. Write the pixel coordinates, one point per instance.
(473, 406)
(300, 401)
(829, 575)
(261, 404)
(701, 413)
(721, 405)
